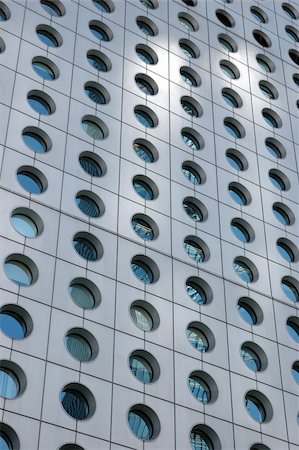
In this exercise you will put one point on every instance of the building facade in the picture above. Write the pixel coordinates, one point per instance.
(149, 224)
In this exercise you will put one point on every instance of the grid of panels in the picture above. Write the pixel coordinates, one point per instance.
(179, 207)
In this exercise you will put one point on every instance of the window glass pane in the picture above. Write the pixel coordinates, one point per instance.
(143, 229)
(192, 211)
(34, 142)
(144, 56)
(199, 389)
(102, 6)
(82, 296)
(95, 95)
(5, 443)
(90, 166)
(237, 195)
(43, 70)
(12, 325)
(190, 141)
(97, 63)
(92, 129)
(255, 409)
(141, 369)
(140, 425)
(78, 347)
(293, 329)
(143, 152)
(30, 182)
(251, 359)
(74, 404)
(85, 249)
(99, 33)
(39, 105)
(144, 119)
(18, 273)
(142, 272)
(141, 318)
(240, 232)
(191, 174)
(243, 271)
(9, 383)
(47, 38)
(281, 215)
(197, 339)
(285, 252)
(290, 291)
(196, 293)
(143, 190)
(199, 442)
(24, 225)
(87, 206)
(247, 313)
(194, 250)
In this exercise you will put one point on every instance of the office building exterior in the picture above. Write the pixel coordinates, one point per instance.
(149, 224)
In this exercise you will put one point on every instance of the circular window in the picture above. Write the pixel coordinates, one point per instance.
(146, 54)
(55, 9)
(225, 18)
(143, 422)
(279, 180)
(145, 187)
(144, 366)
(262, 38)
(200, 337)
(239, 194)
(249, 310)
(144, 316)
(203, 437)
(48, 36)
(189, 49)
(245, 269)
(12, 380)
(242, 230)
(202, 387)
(100, 31)
(196, 249)
(294, 55)
(36, 140)
(81, 344)
(193, 173)
(146, 84)
(229, 69)
(32, 180)
(191, 106)
(15, 322)
(84, 293)
(146, 116)
(4, 12)
(275, 148)
(283, 214)
(8, 438)
(293, 328)
(145, 269)
(290, 11)
(146, 151)
(236, 159)
(258, 406)
(271, 118)
(144, 227)
(231, 98)
(92, 164)
(190, 76)
(198, 290)
(41, 103)
(105, 6)
(234, 128)
(253, 356)
(265, 63)
(268, 90)
(150, 4)
(147, 26)
(259, 15)
(99, 61)
(192, 139)
(188, 21)
(87, 246)
(195, 209)
(45, 68)
(227, 43)
(21, 270)
(90, 204)
(94, 127)
(77, 401)
(290, 287)
(292, 33)
(97, 93)
(26, 222)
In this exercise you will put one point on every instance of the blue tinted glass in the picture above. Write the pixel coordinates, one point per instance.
(270, 120)
(141, 369)
(144, 119)
(5, 443)
(78, 347)
(197, 339)
(191, 174)
(90, 166)
(194, 251)
(255, 409)
(143, 229)
(24, 225)
(34, 142)
(199, 389)
(74, 404)
(240, 232)
(247, 313)
(295, 372)
(40, 106)
(92, 129)
(230, 100)
(51, 8)
(12, 325)
(82, 296)
(192, 211)
(143, 153)
(97, 63)
(251, 359)
(88, 206)
(237, 196)
(30, 182)
(285, 252)
(199, 442)
(196, 293)
(290, 291)
(293, 329)
(9, 384)
(145, 56)
(101, 5)
(142, 272)
(190, 141)
(95, 95)
(85, 249)
(243, 271)
(143, 190)
(18, 273)
(140, 425)
(47, 38)
(43, 70)
(277, 181)
(232, 130)
(281, 215)
(99, 33)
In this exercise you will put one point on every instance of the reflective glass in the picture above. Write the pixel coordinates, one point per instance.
(39, 105)
(51, 8)
(102, 6)
(251, 359)
(199, 389)
(143, 152)
(285, 252)
(281, 215)
(228, 71)
(145, 28)
(267, 91)
(191, 174)
(144, 56)
(295, 372)
(78, 347)
(141, 369)
(147, 3)
(240, 232)
(141, 318)
(143, 229)
(293, 329)
(9, 383)
(140, 425)
(95, 95)
(270, 120)
(188, 51)
(243, 271)
(85, 249)
(194, 250)
(186, 23)
(34, 142)
(258, 16)
(255, 409)
(292, 35)
(230, 100)
(193, 211)
(12, 325)
(188, 78)
(90, 166)
(226, 45)
(290, 291)
(142, 272)
(82, 296)
(30, 182)
(144, 119)
(199, 442)
(273, 150)
(88, 206)
(43, 70)
(18, 273)
(143, 190)
(74, 403)
(190, 141)
(92, 129)
(196, 293)
(97, 63)
(234, 161)
(189, 109)
(263, 64)
(197, 339)
(24, 225)
(289, 12)
(277, 181)
(5, 443)
(237, 195)
(47, 38)
(247, 313)
(144, 86)
(99, 33)
(3, 17)
(232, 130)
